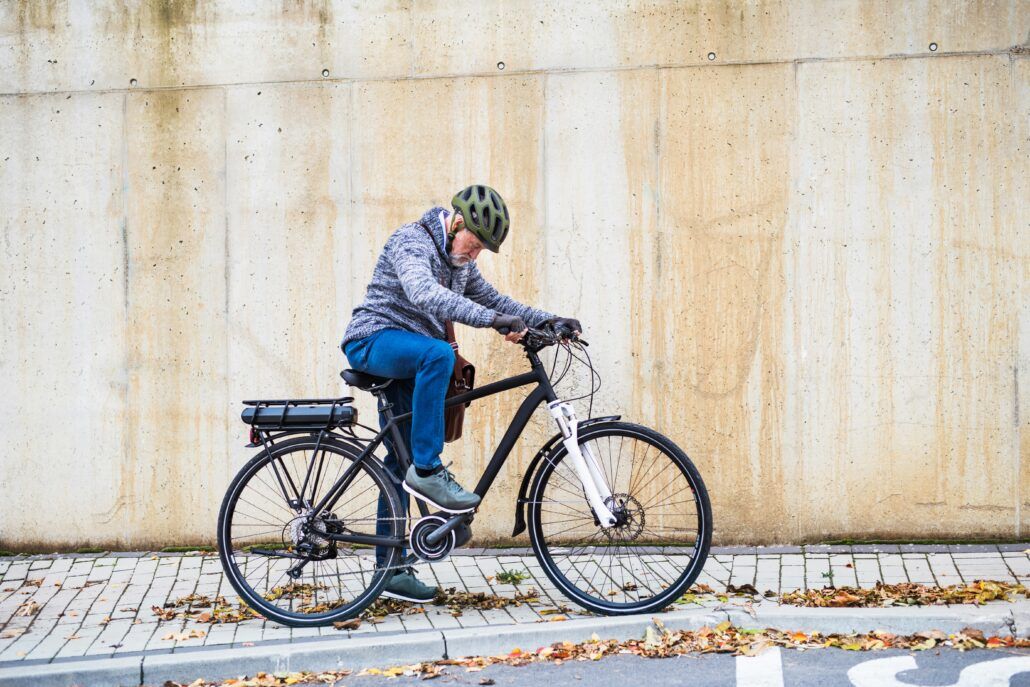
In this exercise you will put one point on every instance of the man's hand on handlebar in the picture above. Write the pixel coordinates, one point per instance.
(551, 331)
(512, 326)
(565, 327)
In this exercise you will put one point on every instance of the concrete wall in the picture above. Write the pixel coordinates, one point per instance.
(804, 256)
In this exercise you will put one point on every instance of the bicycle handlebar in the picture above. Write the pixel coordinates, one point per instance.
(535, 339)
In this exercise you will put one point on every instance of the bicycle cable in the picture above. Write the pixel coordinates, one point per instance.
(593, 375)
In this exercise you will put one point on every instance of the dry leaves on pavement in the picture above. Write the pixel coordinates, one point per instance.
(280, 679)
(903, 594)
(204, 609)
(28, 608)
(184, 635)
(657, 642)
(906, 594)
(456, 602)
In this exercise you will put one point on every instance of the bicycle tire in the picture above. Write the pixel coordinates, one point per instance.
(600, 598)
(258, 599)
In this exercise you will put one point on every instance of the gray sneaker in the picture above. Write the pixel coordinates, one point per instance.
(441, 491)
(406, 587)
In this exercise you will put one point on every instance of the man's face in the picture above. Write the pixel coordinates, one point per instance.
(466, 245)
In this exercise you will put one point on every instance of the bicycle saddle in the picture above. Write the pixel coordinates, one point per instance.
(363, 380)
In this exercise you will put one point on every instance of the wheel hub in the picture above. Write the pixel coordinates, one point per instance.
(311, 537)
(629, 517)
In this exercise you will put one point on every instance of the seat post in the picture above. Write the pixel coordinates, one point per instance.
(384, 406)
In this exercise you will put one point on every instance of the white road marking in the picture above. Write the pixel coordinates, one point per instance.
(882, 672)
(763, 670)
(993, 673)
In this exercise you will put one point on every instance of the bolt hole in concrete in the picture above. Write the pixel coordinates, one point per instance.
(933, 47)
(711, 56)
(500, 65)
(325, 72)
(133, 82)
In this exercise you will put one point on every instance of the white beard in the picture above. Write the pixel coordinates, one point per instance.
(460, 260)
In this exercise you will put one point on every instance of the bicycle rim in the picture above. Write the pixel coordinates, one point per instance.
(662, 541)
(261, 536)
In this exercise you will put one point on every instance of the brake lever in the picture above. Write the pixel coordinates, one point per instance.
(568, 335)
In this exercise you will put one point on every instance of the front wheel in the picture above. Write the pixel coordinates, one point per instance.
(664, 530)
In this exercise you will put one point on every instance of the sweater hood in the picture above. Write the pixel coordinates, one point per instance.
(431, 219)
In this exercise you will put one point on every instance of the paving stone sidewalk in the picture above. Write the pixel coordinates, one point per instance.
(100, 605)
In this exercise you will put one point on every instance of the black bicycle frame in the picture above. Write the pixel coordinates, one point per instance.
(543, 392)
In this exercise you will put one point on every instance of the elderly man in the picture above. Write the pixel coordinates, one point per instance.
(426, 275)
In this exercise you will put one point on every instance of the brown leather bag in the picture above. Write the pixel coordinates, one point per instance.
(462, 379)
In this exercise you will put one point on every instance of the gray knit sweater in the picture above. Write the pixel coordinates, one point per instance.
(405, 292)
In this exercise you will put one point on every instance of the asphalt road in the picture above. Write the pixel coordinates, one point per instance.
(774, 668)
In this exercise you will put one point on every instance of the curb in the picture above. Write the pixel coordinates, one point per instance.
(333, 654)
(363, 652)
(123, 672)
(502, 640)
(1011, 620)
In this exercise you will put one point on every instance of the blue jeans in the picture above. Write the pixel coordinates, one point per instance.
(422, 367)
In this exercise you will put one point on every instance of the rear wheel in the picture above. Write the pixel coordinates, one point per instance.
(278, 558)
(664, 530)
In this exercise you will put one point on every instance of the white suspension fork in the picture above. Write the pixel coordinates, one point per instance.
(583, 462)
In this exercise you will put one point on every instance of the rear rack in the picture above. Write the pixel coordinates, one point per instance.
(304, 401)
(299, 415)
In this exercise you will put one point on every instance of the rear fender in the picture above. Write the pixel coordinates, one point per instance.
(552, 444)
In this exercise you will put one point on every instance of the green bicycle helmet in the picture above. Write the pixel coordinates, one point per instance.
(485, 214)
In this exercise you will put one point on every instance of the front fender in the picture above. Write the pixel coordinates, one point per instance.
(520, 502)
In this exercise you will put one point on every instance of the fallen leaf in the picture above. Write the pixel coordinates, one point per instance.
(29, 608)
(183, 636)
(352, 624)
(162, 613)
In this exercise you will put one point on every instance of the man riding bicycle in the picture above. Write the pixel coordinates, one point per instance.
(426, 275)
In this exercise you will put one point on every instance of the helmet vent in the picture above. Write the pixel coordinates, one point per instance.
(467, 194)
(482, 193)
(493, 199)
